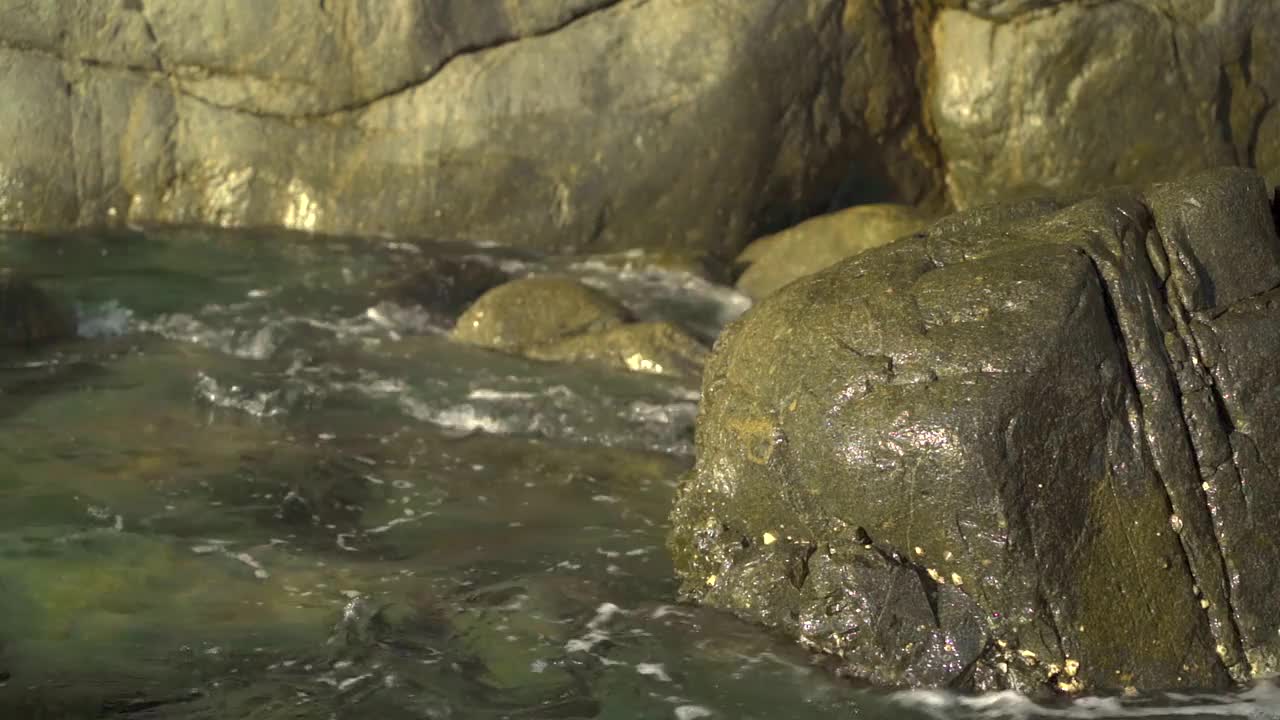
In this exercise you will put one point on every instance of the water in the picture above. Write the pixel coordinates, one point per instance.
(257, 488)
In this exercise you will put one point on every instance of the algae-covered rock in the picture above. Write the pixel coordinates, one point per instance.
(1030, 446)
(780, 258)
(653, 347)
(534, 311)
(29, 316)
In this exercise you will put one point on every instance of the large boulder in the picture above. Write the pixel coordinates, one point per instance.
(1030, 446)
(1081, 96)
(558, 124)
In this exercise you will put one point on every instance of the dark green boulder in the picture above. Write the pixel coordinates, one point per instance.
(1029, 447)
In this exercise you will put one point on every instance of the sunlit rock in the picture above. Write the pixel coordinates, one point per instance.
(661, 348)
(1089, 95)
(563, 124)
(533, 311)
(778, 259)
(1029, 447)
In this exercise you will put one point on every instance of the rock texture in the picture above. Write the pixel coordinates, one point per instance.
(1031, 446)
(661, 348)
(557, 124)
(1103, 93)
(558, 319)
(778, 259)
(535, 311)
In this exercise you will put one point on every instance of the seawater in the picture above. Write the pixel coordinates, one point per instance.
(257, 488)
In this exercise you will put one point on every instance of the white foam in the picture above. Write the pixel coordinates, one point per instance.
(692, 712)
(654, 670)
(108, 319)
(1256, 703)
(489, 394)
(464, 417)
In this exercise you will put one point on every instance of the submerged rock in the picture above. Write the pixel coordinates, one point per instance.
(534, 311)
(444, 286)
(1031, 446)
(653, 347)
(780, 258)
(29, 316)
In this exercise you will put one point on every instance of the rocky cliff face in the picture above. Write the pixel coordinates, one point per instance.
(1029, 446)
(563, 124)
(601, 124)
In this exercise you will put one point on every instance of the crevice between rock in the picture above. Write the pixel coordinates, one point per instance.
(1208, 569)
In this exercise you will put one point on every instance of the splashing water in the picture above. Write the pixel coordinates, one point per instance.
(259, 487)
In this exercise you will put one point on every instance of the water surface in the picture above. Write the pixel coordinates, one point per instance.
(258, 488)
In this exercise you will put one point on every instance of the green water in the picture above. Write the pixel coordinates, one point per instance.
(255, 490)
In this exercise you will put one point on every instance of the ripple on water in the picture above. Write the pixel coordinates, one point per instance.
(358, 518)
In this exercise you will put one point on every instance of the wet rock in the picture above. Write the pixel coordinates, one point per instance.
(652, 347)
(778, 259)
(534, 311)
(1103, 94)
(566, 124)
(444, 286)
(29, 316)
(1043, 431)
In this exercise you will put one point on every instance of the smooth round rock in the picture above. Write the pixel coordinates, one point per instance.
(534, 311)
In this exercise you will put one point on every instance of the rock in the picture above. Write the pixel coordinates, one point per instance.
(778, 259)
(29, 316)
(588, 125)
(535, 311)
(1029, 447)
(652, 347)
(445, 286)
(1104, 94)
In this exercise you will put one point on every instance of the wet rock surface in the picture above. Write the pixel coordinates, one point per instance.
(1028, 447)
(534, 311)
(558, 319)
(661, 348)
